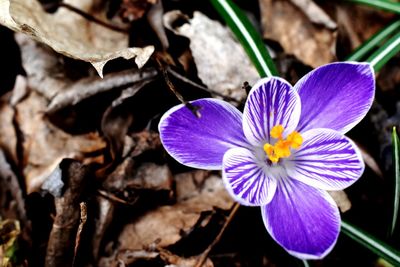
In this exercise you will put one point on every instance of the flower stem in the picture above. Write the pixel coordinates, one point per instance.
(247, 35)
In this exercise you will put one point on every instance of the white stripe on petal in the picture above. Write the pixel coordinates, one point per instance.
(271, 102)
(327, 160)
(246, 179)
(202, 142)
(303, 220)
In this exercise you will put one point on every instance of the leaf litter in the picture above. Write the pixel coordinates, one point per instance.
(85, 180)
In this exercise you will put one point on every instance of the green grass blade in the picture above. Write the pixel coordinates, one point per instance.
(374, 41)
(386, 52)
(380, 4)
(247, 35)
(378, 247)
(396, 166)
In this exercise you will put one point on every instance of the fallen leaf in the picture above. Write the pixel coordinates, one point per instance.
(172, 221)
(297, 34)
(117, 119)
(148, 175)
(353, 18)
(221, 62)
(44, 68)
(44, 145)
(135, 9)
(314, 13)
(11, 194)
(341, 199)
(175, 260)
(8, 135)
(70, 34)
(54, 183)
(9, 233)
(103, 219)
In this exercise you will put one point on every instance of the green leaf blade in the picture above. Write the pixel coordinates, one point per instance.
(374, 41)
(396, 188)
(386, 52)
(373, 244)
(380, 4)
(247, 35)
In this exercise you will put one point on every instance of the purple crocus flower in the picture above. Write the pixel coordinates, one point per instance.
(284, 151)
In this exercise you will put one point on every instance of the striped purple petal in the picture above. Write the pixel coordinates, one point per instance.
(202, 142)
(327, 160)
(302, 219)
(246, 179)
(271, 102)
(336, 96)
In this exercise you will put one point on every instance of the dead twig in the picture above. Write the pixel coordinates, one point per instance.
(82, 223)
(87, 87)
(192, 83)
(86, 16)
(202, 258)
(194, 109)
(62, 236)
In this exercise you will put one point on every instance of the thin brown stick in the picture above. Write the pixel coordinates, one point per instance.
(87, 16)
(204, 255)
(82, 223)
(192, 108)
(188, 81)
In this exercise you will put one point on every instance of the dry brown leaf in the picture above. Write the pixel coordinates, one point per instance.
(177, 261)
(171, 221)
(8, 136)
(315, 13)
(221, 61)
(70, 34)
(44, 145)
(285, 23)
(341, 199)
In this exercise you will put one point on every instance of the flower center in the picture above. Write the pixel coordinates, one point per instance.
(281, 147)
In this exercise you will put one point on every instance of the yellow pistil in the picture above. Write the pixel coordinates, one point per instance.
(281, 148)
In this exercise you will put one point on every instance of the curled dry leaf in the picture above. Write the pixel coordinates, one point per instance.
(43, 67)
(221, 62)
(44, 145)
(70, 34)
(286, 23)
(171, 221)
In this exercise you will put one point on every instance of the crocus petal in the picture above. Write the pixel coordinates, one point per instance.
(202, 142)
(336, 96)
(302, 219)
(327, 160)
(246, 179)
(271, 102)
